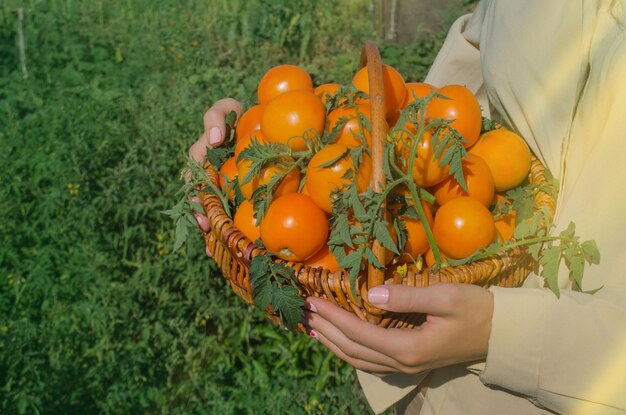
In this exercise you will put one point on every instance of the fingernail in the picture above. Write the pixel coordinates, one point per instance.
(202, 221)
(378, 295)
(215, 136)
(310, 307)
(308, 330)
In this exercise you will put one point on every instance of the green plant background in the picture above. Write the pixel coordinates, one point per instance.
(96, 314)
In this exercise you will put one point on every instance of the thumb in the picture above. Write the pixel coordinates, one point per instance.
(214, 120)
(438, 299)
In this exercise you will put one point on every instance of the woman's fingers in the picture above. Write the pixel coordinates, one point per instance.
(202, 219)
(213, 136)
(456, 329)
(388, 342)
(439, 299)
(348, 349)
(197, 151)
(360, 364)
(356, 355)
(214, 125)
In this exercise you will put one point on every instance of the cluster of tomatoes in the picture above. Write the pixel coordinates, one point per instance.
(292, 112)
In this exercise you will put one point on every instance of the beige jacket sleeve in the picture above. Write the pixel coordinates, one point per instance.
(568, 354)
(554, 72)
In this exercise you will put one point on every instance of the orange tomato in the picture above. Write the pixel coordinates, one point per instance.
(294, 228)
(293, 116)
(351, 131)
(505, 222)
(463, 225)
(247, 188)
(323, 259)
(506, 154)
(283, 78)
(246, 140)
(416, 89)
(429, 257)
(416, 242)
(244, 221)
(426, 169)
(398, 202)
(248, 122)
(321, 182)
(393, 87)
(228, 173)
(478, 178)
(462, 107)
(505, 226)
(326, 91)
(289, 183)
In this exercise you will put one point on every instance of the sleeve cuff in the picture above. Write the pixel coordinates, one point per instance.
(516, 340)
(381, 393)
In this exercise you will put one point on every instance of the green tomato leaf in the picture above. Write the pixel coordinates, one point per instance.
(550, 261)
(260, 281)
(182, 232)
(534, 250)
(524, 229)
(382, 235)
(400, 228)
(569, 232)
(289, 305)
(371, 258)
(591, 252)
(575, 262)
(354, 274)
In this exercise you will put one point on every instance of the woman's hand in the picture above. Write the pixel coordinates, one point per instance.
(214, 127)
(213, 136)
(456, 330)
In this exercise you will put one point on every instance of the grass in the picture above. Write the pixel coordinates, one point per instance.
(96, 314)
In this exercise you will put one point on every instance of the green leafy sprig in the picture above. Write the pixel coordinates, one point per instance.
(448, 149)
(195, 181)
(274, 283)
(357, 221)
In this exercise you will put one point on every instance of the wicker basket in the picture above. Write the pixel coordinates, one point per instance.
(233, 251)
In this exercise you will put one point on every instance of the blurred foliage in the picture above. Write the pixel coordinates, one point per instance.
(96, 315)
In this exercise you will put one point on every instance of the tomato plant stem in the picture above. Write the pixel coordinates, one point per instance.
(521, 242)
(413, 189)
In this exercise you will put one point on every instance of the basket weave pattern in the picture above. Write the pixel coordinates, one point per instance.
(233, 251)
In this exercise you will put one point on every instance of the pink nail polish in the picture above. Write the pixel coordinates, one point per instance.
(310, 307)
(215, 136)
(313, 334)
(378, 295)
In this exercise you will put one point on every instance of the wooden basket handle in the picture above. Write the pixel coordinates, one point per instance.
(370, 57)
